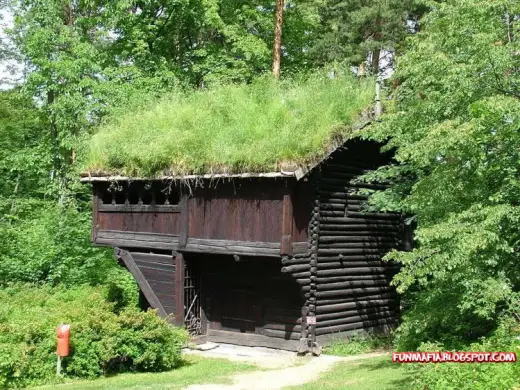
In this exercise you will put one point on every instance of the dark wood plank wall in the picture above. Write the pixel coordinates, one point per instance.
(302, 193)
(249, 296)
(242, 210)
(351, 284)
(262, 217)
(159, 271)
(146, 222)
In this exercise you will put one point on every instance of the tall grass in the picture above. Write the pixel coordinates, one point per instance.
(232, 128)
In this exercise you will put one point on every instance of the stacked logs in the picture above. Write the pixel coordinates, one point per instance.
(352, 283)
(304, 269)
(297, 266)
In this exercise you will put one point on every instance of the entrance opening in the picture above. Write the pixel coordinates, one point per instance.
(192, 300)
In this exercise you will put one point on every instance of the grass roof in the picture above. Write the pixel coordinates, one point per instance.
(258, 127)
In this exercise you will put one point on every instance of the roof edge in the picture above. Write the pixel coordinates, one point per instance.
(109, 178)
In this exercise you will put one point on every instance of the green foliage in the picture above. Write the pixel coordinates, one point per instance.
(102, 342)
(48, 243)
(352, 29)
(357, 344)
(232, 128)
(454, 126)
(479, 376)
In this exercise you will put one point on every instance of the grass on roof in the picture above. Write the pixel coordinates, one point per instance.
(231, 129)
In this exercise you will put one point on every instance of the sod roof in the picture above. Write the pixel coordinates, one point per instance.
(264, 127)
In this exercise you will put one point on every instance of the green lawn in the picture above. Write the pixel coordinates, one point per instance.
(195, 370)
(371, 374)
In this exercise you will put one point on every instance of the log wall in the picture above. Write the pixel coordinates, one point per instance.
(349, 285)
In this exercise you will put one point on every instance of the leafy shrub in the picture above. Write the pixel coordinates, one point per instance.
(477, 376)
(54, 244)
(102, 341)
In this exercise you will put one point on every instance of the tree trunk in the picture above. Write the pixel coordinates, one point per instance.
(277, 38)
(375, 62)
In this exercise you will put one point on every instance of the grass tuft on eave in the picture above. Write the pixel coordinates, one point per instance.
(258, 127)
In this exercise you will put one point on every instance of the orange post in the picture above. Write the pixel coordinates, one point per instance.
(62, 348)
(63, 335)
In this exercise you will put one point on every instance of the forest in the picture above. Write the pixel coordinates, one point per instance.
(450, 85)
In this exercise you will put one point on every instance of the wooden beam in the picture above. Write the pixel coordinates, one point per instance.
(251, 340)
(95, 211)
(286, 247)
(138, 208)
(199, 245)
(184, 221)
(300, 247)
(149, 294)
(246, 248)
(136, 240)
(179, 288)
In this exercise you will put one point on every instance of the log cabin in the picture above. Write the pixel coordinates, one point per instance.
(287, 259)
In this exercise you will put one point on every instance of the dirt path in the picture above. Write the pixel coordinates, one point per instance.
(305, 371)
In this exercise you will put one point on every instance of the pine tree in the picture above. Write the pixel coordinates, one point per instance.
(357, 30)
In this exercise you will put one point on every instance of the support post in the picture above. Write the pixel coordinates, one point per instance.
(184, 221)
(179, 288)
(58, 366)
(95, 211)
(287, 226)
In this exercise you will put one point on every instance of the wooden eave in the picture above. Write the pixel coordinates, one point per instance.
(109, 178)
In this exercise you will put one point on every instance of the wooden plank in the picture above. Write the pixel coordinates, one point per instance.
(299, 248)
(161, 223)
(389, 309)
(251, 340)
(95, 212)
(287, 225)
(353, 291)
(141, 280)
(139, 208)
(245, 211)
(136, 244)
(358, 305)
(153, 257)
(283, 334)
(161, 269)
(355, 325)
(154, 237)
(228, 243)
(163, 287)
(249, 248)
(137, 240)
(184, 222)
(179, 288)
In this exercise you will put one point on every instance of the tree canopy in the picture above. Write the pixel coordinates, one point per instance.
(96, 71)
(454, 123)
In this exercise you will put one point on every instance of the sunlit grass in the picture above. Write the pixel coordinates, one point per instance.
(195, 370)
(370, 374)
(233, 128)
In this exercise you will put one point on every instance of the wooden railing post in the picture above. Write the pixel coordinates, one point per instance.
(179, 288)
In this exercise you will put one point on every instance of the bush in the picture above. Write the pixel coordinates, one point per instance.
(476, 376)
(54, 243)
(102, 341)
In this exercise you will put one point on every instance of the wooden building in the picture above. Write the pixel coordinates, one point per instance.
(283, 259)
